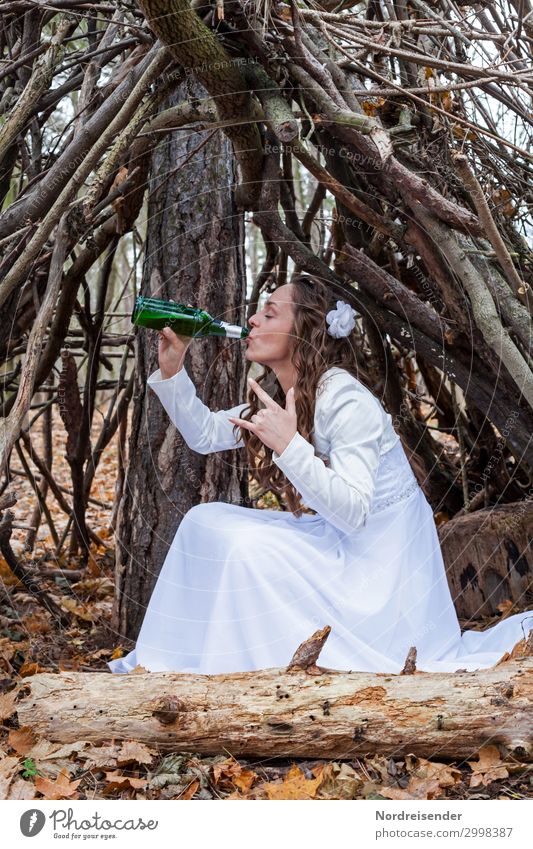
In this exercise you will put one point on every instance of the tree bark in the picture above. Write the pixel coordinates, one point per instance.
(196, 48)
(488, 558)
(290, 713)
(194, 254)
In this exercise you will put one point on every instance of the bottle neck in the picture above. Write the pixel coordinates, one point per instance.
(233, 331)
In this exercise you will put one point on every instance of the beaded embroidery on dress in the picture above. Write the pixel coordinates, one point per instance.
(395, 480)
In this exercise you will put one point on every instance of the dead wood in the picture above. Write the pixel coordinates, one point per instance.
(300, 711)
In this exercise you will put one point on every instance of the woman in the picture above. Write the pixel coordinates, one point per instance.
(240, 589)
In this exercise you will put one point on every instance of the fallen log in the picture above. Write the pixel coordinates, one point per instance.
(303, 710)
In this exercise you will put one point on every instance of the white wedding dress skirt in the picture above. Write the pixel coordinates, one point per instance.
(241, 588)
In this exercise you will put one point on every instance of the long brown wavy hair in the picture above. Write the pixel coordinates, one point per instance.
(314, 351)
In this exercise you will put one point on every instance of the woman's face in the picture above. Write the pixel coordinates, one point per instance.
(270, 341)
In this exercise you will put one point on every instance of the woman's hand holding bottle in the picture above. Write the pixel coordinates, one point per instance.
(171, 351)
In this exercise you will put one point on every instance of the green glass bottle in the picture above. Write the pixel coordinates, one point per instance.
(157, 313)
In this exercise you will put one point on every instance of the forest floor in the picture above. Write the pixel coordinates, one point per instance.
(31, 642)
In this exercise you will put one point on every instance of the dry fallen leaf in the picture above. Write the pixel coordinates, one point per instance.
(445, 774)
(117, 781)
(245, 780)
(230, 772)
(427, 780)
(133, 752)
(418, 788)
(339, 781)
(37, 623)
(8, 769)
(7, 650)
(446, 99)
(501, 199)
(21, 789)
(7, 576)
(101, 757)
(371, 107)
(60, 788)
(294, 786)
(22, 740)
(28, 669)
(71, 606)
(116, 653)
(488, 768)
(7, 705)
(189, 791)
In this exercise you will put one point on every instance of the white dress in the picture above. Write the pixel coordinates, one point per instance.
(241, 588)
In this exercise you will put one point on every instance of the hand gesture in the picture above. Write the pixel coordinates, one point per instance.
(274, 425)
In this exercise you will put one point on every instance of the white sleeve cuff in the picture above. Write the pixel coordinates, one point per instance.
(293, 446)
(156, 377)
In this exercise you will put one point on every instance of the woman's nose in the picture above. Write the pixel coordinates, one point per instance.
(252, 320)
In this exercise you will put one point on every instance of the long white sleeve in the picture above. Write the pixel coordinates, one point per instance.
(353, 422)
(203, 430)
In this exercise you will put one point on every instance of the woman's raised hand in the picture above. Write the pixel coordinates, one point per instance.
(171, 351)
(274, 425)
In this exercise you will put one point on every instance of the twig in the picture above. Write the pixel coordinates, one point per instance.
(521, 289)
(25, 577)
(40, 498)
(461, 440)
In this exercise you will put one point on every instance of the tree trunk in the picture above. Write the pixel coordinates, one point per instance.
(488, 558)
(194, 254)
(291, 713)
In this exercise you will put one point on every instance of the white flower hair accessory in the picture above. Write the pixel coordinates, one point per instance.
(341, 320)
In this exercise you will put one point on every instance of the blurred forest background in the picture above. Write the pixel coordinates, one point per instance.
(206, 155)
